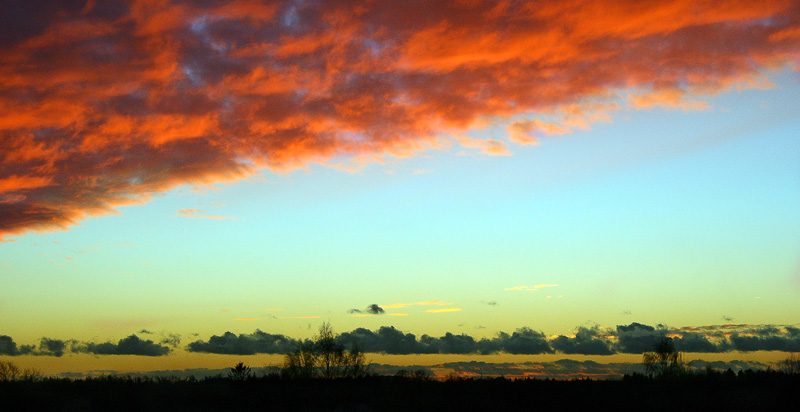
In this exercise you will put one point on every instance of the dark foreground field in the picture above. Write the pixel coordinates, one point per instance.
(719, 392)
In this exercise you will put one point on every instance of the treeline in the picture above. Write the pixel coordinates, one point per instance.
(749, 390)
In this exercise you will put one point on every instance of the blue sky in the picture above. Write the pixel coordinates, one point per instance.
(660, 216)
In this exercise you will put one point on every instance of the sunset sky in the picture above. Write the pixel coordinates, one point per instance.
(176, 170)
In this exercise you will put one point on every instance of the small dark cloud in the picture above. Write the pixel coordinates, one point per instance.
(375, 309)
(173, 340)
(489, 303)
(372, 309)
(146, 332)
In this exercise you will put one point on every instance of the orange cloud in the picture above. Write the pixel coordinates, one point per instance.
(423, 303)
(154, 94)
(20, 183)
(490, 147)
(672, 98)
(443, 310)
(525, 131)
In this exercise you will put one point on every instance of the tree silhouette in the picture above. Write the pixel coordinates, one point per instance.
(325, 357)
(240, 372)
(665, 360)
(11, 372)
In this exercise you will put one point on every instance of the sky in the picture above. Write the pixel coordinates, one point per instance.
(543, 178)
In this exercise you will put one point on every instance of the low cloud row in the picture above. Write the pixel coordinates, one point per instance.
(132, 345)
(634, 338)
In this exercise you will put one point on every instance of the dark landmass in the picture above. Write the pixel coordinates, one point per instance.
(723, 391)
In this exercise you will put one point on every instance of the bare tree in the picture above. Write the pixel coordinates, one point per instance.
(325, 357)
(301, 363)
(791, 365)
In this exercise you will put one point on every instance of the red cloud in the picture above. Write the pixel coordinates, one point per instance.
(105, 103)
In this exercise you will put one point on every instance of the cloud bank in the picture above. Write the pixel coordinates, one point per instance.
(634, 338)
(106, 103)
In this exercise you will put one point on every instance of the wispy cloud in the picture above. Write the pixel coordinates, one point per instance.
(533, 288)
(122, 119)
(299, 317)
(423, 303)
(199, 214)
